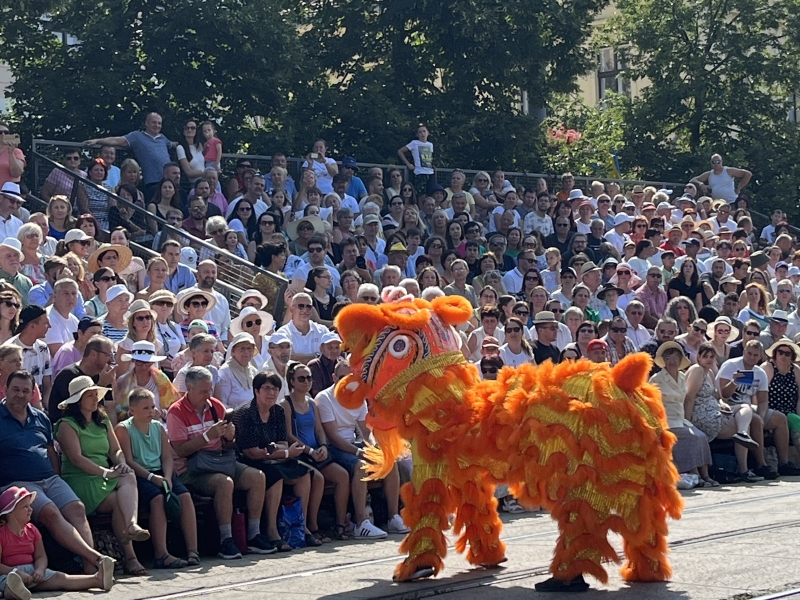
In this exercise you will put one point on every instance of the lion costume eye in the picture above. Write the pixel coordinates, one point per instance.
(400, 346)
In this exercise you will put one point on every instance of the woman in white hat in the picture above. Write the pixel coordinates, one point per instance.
(140, 320)
(115, 325)
(722, 334)
(260, 325)
(691, 452)
(167, 330)
(89, 445)
(142, 372)
(235, 385)
(253, 298)
(195, 304)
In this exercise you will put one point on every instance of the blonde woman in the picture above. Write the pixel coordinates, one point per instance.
(78, 269)
(59, 216)
(140, 320)
(157, 272)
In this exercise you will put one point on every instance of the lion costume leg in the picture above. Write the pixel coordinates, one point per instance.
(426, 504)
(477, 516)
(647, 551)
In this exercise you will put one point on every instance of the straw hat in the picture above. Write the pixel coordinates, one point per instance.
(78, 387)
(253, 294)
(659, 359)
(725, 321)
(161, 295)
(142, 351)
(187, 294)
(784, 342)
(316, 222)
(123, 252)
(248, 314)
(139, 306)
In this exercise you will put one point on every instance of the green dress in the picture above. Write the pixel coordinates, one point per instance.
(91, 489)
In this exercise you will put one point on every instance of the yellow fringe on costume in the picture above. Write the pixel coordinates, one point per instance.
(588, 442)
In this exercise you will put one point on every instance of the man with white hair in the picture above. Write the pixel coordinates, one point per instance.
(390, 275)
(280, 353)
(63, 324)
(411, 286)
(10, 265)
(637, 333)
(368, 293)
(305, 335)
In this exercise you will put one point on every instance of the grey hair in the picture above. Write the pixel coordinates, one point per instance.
(196, 375)
(215, 222)
(368, 287)
(200, 339)
(62, 282)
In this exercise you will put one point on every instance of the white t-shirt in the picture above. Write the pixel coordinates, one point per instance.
(617, 240)
(744, 394)
(324, 178)
(346, 419)
(513, 360)
(534, 222)
(423, 156)
(351, 203)
(500, 211)
(61, 329)
(304, 343)
(198, 163)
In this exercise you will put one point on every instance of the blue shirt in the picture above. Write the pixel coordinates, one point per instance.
(182, 278)
(41, 294)
(23, 453)
(356, 188)
(289, 187)
(152, 153)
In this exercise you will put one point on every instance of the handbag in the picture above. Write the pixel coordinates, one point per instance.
(214, 461)
(172, 504)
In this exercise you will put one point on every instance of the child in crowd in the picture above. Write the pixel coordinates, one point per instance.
(147, 451)
(212, 149)
(23, 562)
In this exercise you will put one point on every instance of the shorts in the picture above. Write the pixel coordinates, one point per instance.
(53, 489)
(200, 481)
(345, 459)
(28, 570)
(148, 491)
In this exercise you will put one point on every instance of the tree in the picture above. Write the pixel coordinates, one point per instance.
(719, 74)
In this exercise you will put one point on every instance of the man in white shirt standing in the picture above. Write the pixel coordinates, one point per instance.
(63, 324)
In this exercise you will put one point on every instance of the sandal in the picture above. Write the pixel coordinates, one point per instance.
(339, 533)
(192, 559)
(312, 540)
(134, 533)
(321, 536)
(280, 545)
(175, 563)
(708, 482)
(130, 568)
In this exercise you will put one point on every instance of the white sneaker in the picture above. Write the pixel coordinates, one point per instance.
(368, 531)
(396, 525)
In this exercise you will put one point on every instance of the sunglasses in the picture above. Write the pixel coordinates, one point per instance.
(198, 304)
(753, 333)
(9, 304)
(304, 306)
(666, 331)
(369, 298)
(316, 250)
(251, 323)
(189, 128)
(304, 379)
(142, 318)
(784, 352)
(655, 275)
(107, 279)
(489, 371)
(585, 330)
(267, 223)
(163, 303)
(305, 228)
(532, 279)
(482, 180)
(723, 331)
(562, 224)
(396, 204)
(556, 310)
(513, 330)
(628, 273)
(521, 313)
(439, 246)
(619, 329)
(699, 329)
(73, 158)
(84, 242)
(245, 209)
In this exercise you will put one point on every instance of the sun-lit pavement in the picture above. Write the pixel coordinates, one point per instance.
(738, 541)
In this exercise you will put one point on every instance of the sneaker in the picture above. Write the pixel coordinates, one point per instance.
(766, 472)
(559, 585)
(788, 470)
(260, 545)
(368, 531)
(745, 440)
(228, 549)
(750, 477)
(510, 505)
(685, 482)
(105, 567)
(15, 589)
(396, 525)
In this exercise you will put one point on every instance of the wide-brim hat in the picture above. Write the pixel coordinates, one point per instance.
(123, 252)
(138, 306)
(143, 351)
(316, 223)
(187, 294)
(78, 387)
(609, 287)
(161, 295)
(783, 342)
(252, 294)
(12, 190)
(726, 321)
(659, 359)
(717, 204)
(248, 312)
(13, 496)
(240, 338)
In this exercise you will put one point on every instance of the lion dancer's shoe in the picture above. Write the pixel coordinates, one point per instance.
(576, 584)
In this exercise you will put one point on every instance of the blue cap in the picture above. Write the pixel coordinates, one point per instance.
(349, 161)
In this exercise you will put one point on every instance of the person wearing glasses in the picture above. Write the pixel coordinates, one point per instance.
(722, 181)
(692, 339)
(653, 297)
(194, 304)
(514, 280)
(665, 331)
(58, 182)
(304, 334)
(516, 351)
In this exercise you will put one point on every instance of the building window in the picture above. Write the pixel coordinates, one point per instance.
(609, 74)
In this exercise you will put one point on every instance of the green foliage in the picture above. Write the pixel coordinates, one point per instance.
(719, 73)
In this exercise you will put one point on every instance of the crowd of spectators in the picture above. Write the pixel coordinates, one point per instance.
(129, 385)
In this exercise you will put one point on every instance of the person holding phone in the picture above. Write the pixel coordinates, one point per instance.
(12, 159)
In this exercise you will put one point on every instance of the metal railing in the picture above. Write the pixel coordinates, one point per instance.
(234, 274)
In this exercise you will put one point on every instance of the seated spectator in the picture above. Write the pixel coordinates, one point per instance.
(42, 294)
(24, 558)
(195, 423)
(543, 347)
(156, 277)
(49, 243)
(619, 345)
(72, 352)
(783, 376)
(637, 334)
(30, 237)
(339, 426)
(88, 446)
(10, 362)
(134, 273)
(180, 276)
(692, 339)
(252, 298)
(263, 444)
(323, 366)
(10, 304)
(691, 452)
(32, 328)
(11, 267)
(304, 335)
(490, 327)
(597, 351)
(63, 324)
(116, 257)
(236, 375)
(146, 448)
(200, 354)
(516, 350)
(194, 304)
(490, 366)
(140, 323)
(115, 325)
(103, 280)
(142, 373)
(259, 325)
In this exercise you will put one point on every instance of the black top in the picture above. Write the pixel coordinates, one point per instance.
(60, 391)
(542, 353)
(252, 432)
(680, 286)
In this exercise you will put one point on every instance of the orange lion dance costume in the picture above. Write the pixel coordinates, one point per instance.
(586, 441)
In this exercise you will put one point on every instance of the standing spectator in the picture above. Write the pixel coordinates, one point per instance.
(422, 154)
(109, 155)
(324, 166)
(12, 159)
(190, 152)
(150, 146)
(721, 180)
(355, 186)
(60, 183)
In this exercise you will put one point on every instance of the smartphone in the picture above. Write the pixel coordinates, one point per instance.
(361, 262)
(314, 155)
(10, 138)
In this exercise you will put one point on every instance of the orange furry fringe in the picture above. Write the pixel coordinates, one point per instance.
(588, 442)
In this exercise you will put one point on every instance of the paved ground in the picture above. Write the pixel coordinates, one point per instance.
(732, 542)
